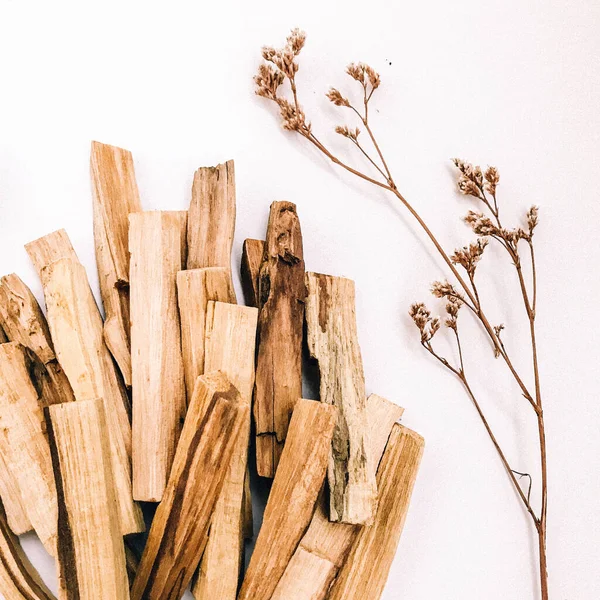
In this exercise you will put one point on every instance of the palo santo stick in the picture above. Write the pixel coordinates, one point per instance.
(280, 327)
(76, 327)
(156, 242)
(252, 254)
(230, 348)
(24, 444)
(10, 494)
(91, 554)
(325, 544)
(50, 248)
(18, 578)
(115, 195)
(25, 323)
(333, 341)
(211, 222)
(366, 570)
(195, 288)
(216, 417)
(292, 499)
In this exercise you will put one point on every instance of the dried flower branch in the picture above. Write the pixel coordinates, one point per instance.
(486, 224)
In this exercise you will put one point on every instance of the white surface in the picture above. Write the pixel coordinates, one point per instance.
(514, 84)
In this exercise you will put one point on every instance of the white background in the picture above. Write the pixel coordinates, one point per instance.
(512, 83)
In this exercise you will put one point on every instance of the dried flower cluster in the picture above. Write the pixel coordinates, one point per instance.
(482, 185)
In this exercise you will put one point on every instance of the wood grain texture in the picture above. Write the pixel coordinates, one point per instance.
(292, 499)
(10, 494)
(76, 327)
(326, 544)
(230, 348)
(24, 444)
(49, 248)
(18, 578)
(195, 288)
(281, 293)
(91, 554)
(366, 570)
(211, 222)
(115, 195)
(216, 417)
(25, 323)
(252, 255)
(333, 341)
(156, 242)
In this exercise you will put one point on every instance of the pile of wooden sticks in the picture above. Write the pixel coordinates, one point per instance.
(154, 404)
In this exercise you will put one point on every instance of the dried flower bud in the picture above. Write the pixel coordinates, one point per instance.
(351, 134)
(532, 218)
(453, 305)
(469, 256)
(336, 97)
(268, 53)
(292, 119)
(492, 177)
(295, 41)
(356, 71)
(480, 224)
(444, 289)
(267, 81)
(468, 187)
(421, 316)
(373, 76)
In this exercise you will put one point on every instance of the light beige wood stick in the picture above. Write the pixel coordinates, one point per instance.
(333, 341)
(156, 242)
(49, 248)
(216, 417)
(211, 222)
(366, 570)
(115, 195)
(91, 554)
(195, 288)
(282, 293)
(24, 444)
(230, 348)
(326, 544)
(10, 494)
(76, 327)
(18, 578)
(25, 323)
(292, 499)
(252, 255)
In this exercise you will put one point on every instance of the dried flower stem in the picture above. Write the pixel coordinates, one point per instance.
(280, 66)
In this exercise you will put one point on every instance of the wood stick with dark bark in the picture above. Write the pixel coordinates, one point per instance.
(292, 499)
(252, 255)
(281, 293)
(25, 323)
(366, 570)
(18, 578)
(179, 533)
(325, 545)
(333, 341)
(115, 195)
(24, 444)
(157, 244)
(91, 554)
(230, 348)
